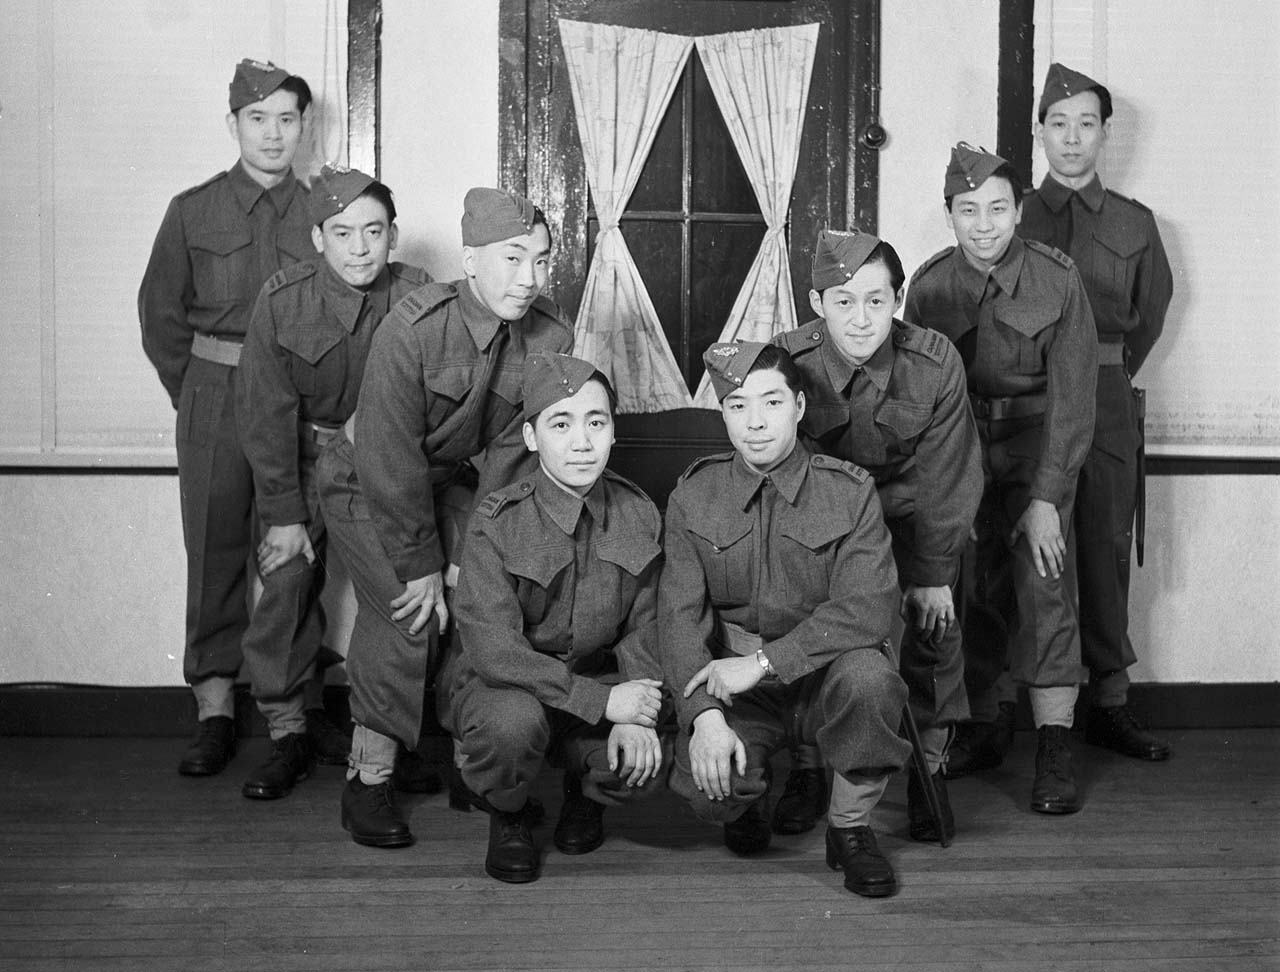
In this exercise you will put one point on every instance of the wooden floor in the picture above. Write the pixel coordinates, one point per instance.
(109, 860)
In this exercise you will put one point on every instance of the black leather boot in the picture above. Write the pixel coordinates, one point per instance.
(331, 745)
(211, 750)
(980, 745)
(512, 857)
(290, 762)
(803, 801)
(1054, 789)
(1116, 728)
(920, 823)
(580, 829)
(866, 871)
(371, 816)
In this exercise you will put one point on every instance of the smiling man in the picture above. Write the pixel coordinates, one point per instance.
(442, 386)
(298, 382)
(776, 602)
(555, 651)
(890, 397)
(1117, 248)
(1018, 314)
(216, 247)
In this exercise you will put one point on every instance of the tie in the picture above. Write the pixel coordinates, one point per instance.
(581, 567)
(863, 439)
(1068, 231)
(765, 498)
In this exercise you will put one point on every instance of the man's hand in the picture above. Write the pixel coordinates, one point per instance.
(930, 608)
(451, 573)
(423, 595)
(727, 677)
(714, 751)
(1043, 529)
(281, 545)
(635, 703)
(634, 753)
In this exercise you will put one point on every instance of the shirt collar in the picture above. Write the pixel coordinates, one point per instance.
(1006, 272)
(565, 508)
(840, 369)
(481, 323)
(248, 192)
(787, 477)
(346, 301)
(1056, 195)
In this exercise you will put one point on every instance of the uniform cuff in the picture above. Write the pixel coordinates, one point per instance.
(588, 699)
(789, 661)
(925, 571)
(1052, 487)
(283, 510)
(418, 563)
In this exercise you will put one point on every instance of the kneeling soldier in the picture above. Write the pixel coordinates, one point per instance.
(556, 624)
(776, 601)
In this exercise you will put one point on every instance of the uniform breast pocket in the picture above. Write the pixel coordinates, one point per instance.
(539, 573)
(222, 265)
(1026, 332)
(448, 386)
(1112, 268)
(807, 552)
(317, 359)
(725, 551)
(901, 423)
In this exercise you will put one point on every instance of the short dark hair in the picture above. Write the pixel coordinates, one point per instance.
(300, 89)
(1104, 104)
(540, 219)
(774, 358)
(379, 191)
(1010, 175)
(596, 376)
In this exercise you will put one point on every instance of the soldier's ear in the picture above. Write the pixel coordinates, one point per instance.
(799, 405)
(897, 300)
(530, 440)
(233, 125)
(815, 303)
(469, 261)
(317, 238)
(393, 236)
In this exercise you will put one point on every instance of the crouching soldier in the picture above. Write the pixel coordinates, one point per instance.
(556, 614)
(776, 600)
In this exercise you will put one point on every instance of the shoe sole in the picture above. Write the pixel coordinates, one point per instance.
(790, 828)
(1147, 755)
(574, 850)
(866, 891)
(510, 877)
(390, 840)
(1054, 807)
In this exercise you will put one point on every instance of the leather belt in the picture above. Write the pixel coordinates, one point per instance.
(1110, 353)
(319, 434)
(1016, 406)
(217, 350)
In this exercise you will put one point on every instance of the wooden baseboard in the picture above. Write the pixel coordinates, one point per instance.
(43, 709)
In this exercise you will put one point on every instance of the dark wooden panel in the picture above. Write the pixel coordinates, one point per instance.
(364, 80)
(1016, 95)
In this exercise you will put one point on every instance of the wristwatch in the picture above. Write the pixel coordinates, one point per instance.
(765, 664)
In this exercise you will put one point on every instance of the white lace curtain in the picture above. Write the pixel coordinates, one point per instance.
(761, 82)
(622, 79)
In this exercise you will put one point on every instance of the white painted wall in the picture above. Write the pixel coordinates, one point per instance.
(91, 566)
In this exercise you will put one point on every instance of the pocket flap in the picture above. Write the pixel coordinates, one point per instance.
(221, 242)
(721, 535)
(633, 554)
(450, 381)
(1029, 320)
(540, 564)
(310, 344)
(906, 419)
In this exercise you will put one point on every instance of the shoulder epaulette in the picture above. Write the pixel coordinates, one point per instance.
(802, 338)
(417, 304)
(290, 275)
(922, 340)
(550, 308)
(854, 472)
(702, 461)
(494, 503)
(204, 185)
(931, 262)
(632, 488)
(1128, 199)
(407, 271)
(1052, 252)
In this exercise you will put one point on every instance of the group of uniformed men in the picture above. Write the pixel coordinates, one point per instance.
(558, 616)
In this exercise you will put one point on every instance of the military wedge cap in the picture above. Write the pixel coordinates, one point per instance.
(1061, 82)
(253, 81)
(492, 215)
(968, 169)
(334, 189)
(728, 364)
(550, 377)
(838, 256)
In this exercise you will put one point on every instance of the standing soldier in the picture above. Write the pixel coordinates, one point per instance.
(1019, 316)
(776, 602)
(297, 383)
(441, 387)
(216, 247)
(556, 644)
(890, 397)
(1116, 247)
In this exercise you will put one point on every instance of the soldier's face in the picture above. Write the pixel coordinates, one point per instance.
(761, 417)
(506, 276)
(357, 242)
(573, 438)
(859, 312)
(1072, 136)
(269, 132)
(984, 220)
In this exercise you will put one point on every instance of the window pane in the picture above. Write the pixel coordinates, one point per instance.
(660, 185)
(721, 256)
(656, 249)
(720, 184)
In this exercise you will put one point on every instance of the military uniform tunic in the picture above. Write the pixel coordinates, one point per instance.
(904, 416)
(1117, 248)
(801, 558)
(1027, 339)
(297, 383)
(557, 602)
(441, 386)
(217, 245)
